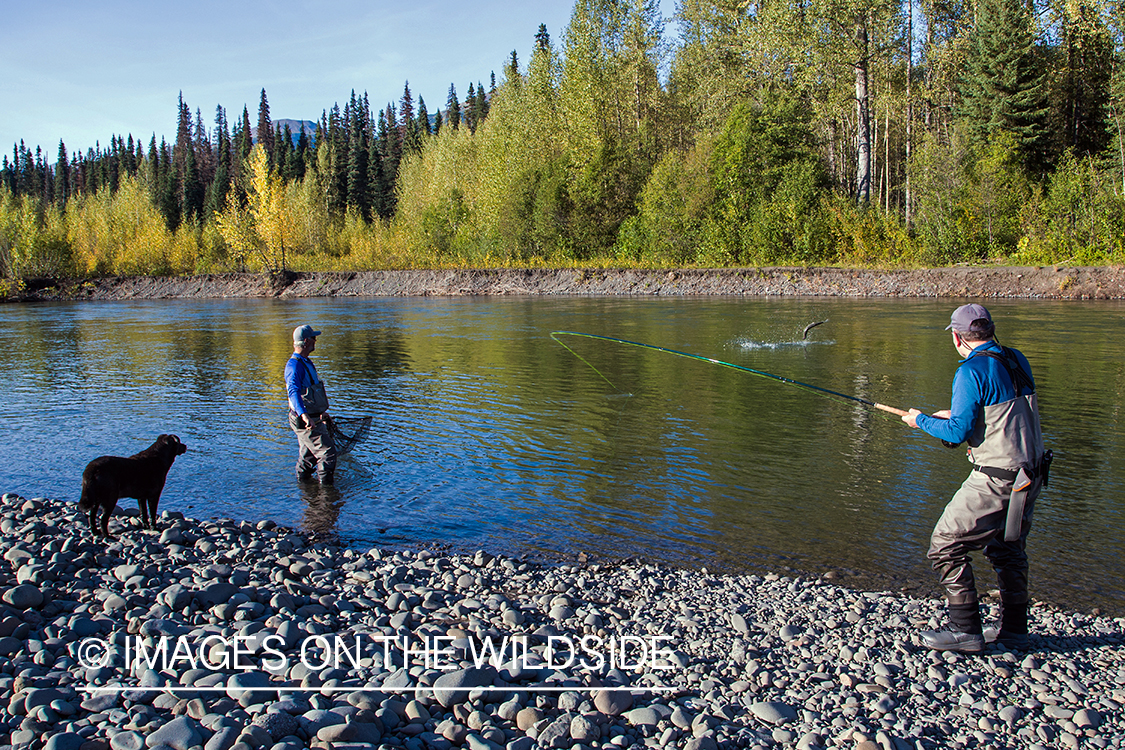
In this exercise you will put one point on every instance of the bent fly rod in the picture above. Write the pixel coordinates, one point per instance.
(814, 388)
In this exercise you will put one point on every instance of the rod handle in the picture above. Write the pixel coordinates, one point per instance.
(891, 409)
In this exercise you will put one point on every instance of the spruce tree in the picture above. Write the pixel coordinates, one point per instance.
(482, 103)
(453, 108)
(192, 190)
(358, 176)
(265, 127)
(424, 127)
(1003, 86)
(246, 137)
(472, 114)
(284, 152)
(62, 176)
(376, 182)
(298, 158)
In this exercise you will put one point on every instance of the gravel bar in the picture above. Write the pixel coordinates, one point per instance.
(274, 638)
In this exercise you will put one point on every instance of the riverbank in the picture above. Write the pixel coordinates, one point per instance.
(984, 282)
(737, 661)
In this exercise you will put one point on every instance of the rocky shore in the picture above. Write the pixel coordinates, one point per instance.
(610, 656)
(981, 282)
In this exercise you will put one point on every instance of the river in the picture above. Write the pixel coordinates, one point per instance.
(489, 434)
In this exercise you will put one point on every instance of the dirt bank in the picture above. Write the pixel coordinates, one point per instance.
(1048, 282)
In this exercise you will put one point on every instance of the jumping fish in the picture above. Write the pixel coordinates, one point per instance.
(811, 326)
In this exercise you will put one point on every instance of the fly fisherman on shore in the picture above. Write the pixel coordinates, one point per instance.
(308, 410)
(995, 409)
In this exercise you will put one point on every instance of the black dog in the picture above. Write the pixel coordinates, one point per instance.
(110, 478)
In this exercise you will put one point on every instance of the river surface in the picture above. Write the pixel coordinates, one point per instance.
(489, 434)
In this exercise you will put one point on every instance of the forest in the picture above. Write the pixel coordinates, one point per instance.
(764, 132)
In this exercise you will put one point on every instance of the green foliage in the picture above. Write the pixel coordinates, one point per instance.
(767, 182)
(1078, 220)
(674, 207)
(1004, 86)
(32, 240)
(970, 201)
(749, 148)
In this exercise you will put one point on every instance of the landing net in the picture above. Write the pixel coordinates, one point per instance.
(347, 432)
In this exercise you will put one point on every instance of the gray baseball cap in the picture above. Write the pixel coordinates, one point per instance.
(963, 317)
(300, 333)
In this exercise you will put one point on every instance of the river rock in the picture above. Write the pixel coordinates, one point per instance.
(613, 702)
(65, 741)
(454, 687)
(181, 734)
(528, 717)
(773, 712)
(279, 724)
(24, 596)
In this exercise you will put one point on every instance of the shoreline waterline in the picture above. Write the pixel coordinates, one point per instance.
(753, 661)
(979, 282)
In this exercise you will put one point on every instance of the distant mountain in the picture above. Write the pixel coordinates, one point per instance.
(295, 126)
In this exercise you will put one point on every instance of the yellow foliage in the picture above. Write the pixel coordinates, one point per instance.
(119, 233)
(265, 229)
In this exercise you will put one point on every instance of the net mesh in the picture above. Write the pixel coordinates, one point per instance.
(347, 432)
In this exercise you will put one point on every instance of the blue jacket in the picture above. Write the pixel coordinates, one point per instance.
(300, 373)
(980, 381)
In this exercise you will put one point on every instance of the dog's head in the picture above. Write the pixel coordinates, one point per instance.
(171, 445)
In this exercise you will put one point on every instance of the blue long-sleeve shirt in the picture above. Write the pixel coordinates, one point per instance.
(979, 381)
(300, 373)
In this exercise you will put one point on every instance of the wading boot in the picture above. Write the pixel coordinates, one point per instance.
(1012, 633)
(965, 637)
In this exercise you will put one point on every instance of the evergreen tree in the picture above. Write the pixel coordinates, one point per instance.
(192, 190)
(453, 108)
(298, 158)
(390, 151)
(204, 155)
(62, 176)
(482, 103)
(377, 187)
(246, 137)
(358, 175)
(265, 127)
(410, 133)
(472, 113)
(168, 187)
(424, 127)
(1003, 86)
(284, 152)
(129, 158)
(437, 122)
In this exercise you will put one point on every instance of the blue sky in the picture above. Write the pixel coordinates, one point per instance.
(82, 71)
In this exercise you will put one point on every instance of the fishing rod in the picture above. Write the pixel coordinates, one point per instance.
(814, 388)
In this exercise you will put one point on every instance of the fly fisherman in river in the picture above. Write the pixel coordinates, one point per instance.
(995, 409)
(308, 410)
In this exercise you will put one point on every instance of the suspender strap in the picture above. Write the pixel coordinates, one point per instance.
(1020, 379)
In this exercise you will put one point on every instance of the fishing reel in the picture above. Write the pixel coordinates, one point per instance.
(948, 444)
